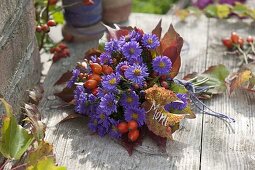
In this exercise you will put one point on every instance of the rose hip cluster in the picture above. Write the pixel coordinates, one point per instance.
(46, 27)
(60, 51)
(131, 128)
(236, 41)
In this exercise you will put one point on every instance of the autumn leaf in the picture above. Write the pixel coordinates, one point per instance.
(118, 32)
(36, 94)
(182, 14)
(43, 149)
(240, 9)
(170, 46)
(158, 29)
(45, 163)
(92, 52)
(66, 94)
(71, 116)
(34, 118)
(64, 78)
(15, 140)
(239, 79)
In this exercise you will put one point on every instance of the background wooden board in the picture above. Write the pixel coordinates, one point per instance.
(195, 144)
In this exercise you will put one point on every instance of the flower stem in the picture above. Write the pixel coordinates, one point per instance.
(243, 53)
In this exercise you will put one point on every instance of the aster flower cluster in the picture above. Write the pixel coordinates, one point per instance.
(110, 87)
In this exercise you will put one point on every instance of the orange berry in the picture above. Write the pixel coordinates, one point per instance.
(90, 84)
(96, 68)
(123, 127)
(132, 125)
(133, 135)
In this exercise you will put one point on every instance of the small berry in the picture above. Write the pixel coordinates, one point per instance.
(124, 68)
(164, 84)
(53, 2)
(57, 49)
(133, 135)
(241, 42)
(66, 52)
(107, 69)
(234, 37)
(51, 23)
(88, 2)
(90, 84)
(52, 50)
(250, 39)
(68, 38)
(38, 28)
(123, 127)
(62, 46)
(132, 125)
(94, 76)
(45, 28)
(227, 43)
(96, 68)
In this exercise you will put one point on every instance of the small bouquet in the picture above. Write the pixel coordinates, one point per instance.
(127, 89)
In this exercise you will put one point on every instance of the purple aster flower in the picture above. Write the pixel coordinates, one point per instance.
(103, 119)
(109, 82)
(94, 59)
(112, 46)
(150, 41)
(93, 123)
(78, 91)
(74, 78)
(118, 67)
(179, 105)
(137, 73)
(135, 35)
(162, 65)
(135, 113)
(108, 104)
(129, 99)
(101, 131)
(105, 58)
(114, 132)
(131, 50)
(80, 104)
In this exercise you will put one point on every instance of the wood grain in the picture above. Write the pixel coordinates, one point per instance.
(227, 146)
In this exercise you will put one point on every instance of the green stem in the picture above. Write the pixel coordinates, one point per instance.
(154, 81)
(243, 53)
(252, 48)
(73, 4)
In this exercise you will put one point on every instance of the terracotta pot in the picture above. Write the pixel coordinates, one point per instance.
(115, 11)
(82, 22)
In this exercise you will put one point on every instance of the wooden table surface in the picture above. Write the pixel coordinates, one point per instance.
(202, 143)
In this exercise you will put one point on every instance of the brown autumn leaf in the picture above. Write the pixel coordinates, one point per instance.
(71, 116)
(64, 78)
(92, 52)
(239, 79)
(118, 32)
(158, 29)
(190, 76)
(36, 94)
(66, 94)
(170, 46)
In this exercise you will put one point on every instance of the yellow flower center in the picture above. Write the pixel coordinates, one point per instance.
(149, 41)
(132, 51)
(112, 81)
(102, 116)
(137, 72)
(129, 99)
(162, 64)
(135, 116)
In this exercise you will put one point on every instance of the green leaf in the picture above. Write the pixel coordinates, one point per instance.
(58, 17)
(223, 11)
(7, 107)
(240, 9)
(46, 163)
(216, 76)
(183, 14)
(15, 140)
(177, 88)
(211, 11)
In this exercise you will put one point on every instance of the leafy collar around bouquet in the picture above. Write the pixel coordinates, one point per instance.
(127, 86)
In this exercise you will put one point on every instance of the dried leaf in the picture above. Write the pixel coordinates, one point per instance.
(64, 78)
(240, 78)
(170, 46)
(34, 117)
(160, 141)
(71, 116)
(118, 32)
(66, 94)
(190, 76)
(43, 149)
(158, 29)
(92, 52)
(36, 94)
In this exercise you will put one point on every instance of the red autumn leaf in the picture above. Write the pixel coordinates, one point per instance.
(64, 78)
(118, 32)
(128, 145)
(158, 29)
(92, 52)
(66, 94)
(160, 141)
(170, 46)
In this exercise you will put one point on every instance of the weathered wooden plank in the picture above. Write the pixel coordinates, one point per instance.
(77, 149)
(224, 146)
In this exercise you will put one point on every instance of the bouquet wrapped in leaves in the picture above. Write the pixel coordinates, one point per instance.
(126, 87)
